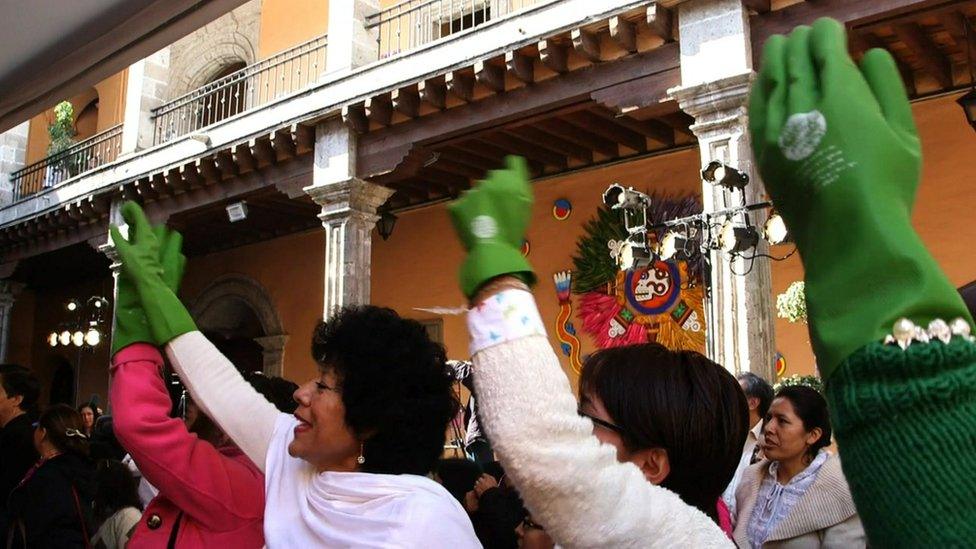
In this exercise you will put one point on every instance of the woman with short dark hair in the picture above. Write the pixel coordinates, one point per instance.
(51, 507)
(676, 415)
(797, 496)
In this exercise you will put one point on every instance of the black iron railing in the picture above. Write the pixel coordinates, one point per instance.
(81, 157)
(412, 23)
(284, 73)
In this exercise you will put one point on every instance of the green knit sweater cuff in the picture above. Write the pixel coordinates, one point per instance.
(905, 423)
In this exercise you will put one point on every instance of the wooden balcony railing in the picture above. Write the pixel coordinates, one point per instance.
(287, 72)
(412, 23)
(81, 157)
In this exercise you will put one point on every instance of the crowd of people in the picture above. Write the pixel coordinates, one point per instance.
(657, 448)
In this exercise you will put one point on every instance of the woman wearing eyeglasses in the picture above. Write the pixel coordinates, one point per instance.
(657, 435)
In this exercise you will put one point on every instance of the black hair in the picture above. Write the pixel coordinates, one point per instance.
(278, 391)
(679, 401)
(395, 386)
(19, 381)
(115, 488)
(757, 387)
(458, 476)
(64, 429)
(811, 407)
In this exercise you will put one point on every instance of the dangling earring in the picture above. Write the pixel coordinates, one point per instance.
(361, 459)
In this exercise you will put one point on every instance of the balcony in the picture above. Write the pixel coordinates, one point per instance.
(413, 23)
(282, 74)
(80, 158)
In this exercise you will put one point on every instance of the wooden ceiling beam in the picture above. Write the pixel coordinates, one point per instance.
(460, 85)
(863, 40)
(224, 162)
(455, 154)
(449, 165)
(175, 182)
(262, 151)
(432, 92)
(957, 25)
(652, 129)
(284, 147)
(522, 147)
(608, 130)
(658, 21)
(190, 176)
(406, 102)
(493, 154)
(758, 6)
(624, 33)
(521, 66)
(581, 137)
(378, 110)
(354, 117)
(442, 182)
(927, 52)
(586, 44)
(553, 55)
(243, 157)
(304, 137)
(556, 144)
(489, 75)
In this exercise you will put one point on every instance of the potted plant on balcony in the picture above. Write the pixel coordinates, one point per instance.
(61, 132)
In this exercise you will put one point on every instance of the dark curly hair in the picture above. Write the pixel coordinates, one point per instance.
(679, 401)
(65, 429)
(395, 386)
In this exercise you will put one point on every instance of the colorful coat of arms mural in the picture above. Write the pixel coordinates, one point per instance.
(661, 303)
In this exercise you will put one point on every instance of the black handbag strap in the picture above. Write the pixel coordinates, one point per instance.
(171, 544)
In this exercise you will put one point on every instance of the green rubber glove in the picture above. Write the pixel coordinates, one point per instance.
(131, 324)
(491, 220)
(141, 265)
(838, 151)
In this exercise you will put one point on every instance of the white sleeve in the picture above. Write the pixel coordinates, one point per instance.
(572, 485)
(219, 390)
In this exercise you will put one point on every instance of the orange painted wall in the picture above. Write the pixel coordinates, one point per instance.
(291, 269)
(943, 214)
(417, 266)
(285, 23)
(111, 109)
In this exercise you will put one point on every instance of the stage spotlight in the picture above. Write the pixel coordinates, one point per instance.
(52, 339)
(677, 245)
(634, 256)
(735, 239)
(78, 338)
(93, 338)
(72, 305)
(616, 196)
(65, 338)
(775, 231)
(721, 175)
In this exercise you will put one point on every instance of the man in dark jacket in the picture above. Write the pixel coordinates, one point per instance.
(19, 390)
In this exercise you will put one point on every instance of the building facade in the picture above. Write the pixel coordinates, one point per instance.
(315, 119)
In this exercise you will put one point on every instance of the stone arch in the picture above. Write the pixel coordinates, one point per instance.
(197, 58)
(229, 293)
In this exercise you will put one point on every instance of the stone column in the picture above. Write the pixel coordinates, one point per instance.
(146, 84)
(716, 71)
(8, 293)
(273, 353)
(348, 215)
(351, 44)
(13, 152)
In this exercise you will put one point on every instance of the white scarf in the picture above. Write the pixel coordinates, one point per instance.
(309, 509)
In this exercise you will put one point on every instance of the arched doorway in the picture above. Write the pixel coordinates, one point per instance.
(223, 99)
(238, 315)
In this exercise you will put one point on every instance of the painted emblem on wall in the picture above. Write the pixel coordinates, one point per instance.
(780, 364)
(661, 303)
(526, 247)
(565, 331)
(561, 209)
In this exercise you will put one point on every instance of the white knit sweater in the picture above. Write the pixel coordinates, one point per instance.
(570, 482)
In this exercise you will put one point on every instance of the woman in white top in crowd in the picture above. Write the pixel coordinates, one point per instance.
(349, 467)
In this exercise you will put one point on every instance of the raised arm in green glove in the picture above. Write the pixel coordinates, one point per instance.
(839, 154)
(155, 284)
(491, 220)
(131, 325)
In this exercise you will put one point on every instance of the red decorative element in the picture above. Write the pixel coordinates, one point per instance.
(608, 323)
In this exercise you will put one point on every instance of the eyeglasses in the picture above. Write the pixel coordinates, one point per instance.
(602, 422)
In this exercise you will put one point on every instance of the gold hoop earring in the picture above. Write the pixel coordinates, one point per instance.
(362, 458)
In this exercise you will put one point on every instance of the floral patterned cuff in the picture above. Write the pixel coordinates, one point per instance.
(505, 316)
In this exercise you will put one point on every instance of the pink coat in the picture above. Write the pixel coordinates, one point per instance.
(219, 490)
